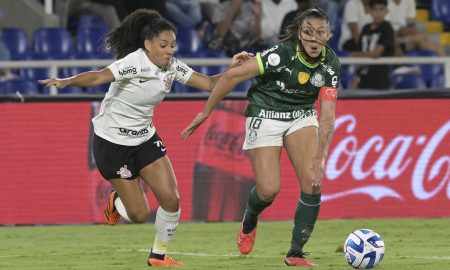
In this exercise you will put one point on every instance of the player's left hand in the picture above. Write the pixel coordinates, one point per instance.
(198, 120)
(318, 169)
(240, 58)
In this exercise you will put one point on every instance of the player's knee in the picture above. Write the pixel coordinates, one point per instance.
(138, 216)
(171, 204)
(268, 193)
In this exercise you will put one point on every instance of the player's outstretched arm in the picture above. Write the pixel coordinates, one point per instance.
(85, 79)
(207, 83)
(226, 83)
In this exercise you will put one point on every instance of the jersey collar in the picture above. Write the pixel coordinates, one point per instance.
(304, 62)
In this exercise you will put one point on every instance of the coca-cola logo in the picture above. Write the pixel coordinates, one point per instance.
(225, 142)
(430, 174)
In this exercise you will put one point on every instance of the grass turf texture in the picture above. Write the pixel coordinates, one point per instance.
(410, 244)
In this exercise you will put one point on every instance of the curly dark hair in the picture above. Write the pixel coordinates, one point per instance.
(292, 30)
(138, 26)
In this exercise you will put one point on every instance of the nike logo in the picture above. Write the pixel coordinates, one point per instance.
(143, 81)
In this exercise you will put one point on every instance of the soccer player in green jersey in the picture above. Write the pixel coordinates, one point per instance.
(288, 79)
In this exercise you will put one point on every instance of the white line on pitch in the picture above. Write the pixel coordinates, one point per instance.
(202, 254)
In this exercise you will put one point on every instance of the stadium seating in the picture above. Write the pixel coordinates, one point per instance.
(17, 42)
(408, 81)
(429, 72)
(89, 22)
(53, 43)
(189, 42)
(19, 85)
(440, 11)
(90, 44)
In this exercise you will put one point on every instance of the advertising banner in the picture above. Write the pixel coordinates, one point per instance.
(388, 158)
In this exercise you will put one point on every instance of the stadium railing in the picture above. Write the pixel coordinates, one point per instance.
(54, 65)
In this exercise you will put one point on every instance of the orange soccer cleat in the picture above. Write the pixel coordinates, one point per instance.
(112, 216)
(245, 242)
(297, 258)
(167, 262)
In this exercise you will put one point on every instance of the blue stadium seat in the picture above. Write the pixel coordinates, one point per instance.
(90, 44)
(52, 43)
(87, 22)
(429, 72)
(440, 11)
(65, 90)
(188, 42)
(23, 86)
(16, 40)
(408, 81)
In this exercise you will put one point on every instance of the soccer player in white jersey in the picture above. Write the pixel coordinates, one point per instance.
(126, 145)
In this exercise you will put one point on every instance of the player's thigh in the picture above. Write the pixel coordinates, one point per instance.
(132, 196)
(302, 146)
(266, 168)
(160, 177)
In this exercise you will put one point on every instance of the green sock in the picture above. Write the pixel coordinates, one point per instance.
(254, 207)
(305, 217)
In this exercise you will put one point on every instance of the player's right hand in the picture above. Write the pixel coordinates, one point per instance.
(198, 120)
(58, 83)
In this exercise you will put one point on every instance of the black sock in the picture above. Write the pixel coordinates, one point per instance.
(305, 217)
(156, 256)
(254, 207)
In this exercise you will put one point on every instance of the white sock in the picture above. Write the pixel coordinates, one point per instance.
(121, 209)
(166, 225)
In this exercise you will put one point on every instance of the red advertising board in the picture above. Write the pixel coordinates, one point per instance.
(388, 158)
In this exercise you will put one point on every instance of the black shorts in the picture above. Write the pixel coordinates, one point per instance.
(121, 161)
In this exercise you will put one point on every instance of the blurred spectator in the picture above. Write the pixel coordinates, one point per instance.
(356, 15)
(377, 39)
(330, 7)
(184, 13)
(158, 5)
(402, 15)
(119, 5)
(237, 25)
(72, 9)
(273, 12)
(302, 5)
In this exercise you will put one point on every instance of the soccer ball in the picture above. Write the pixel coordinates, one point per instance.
(364, 249)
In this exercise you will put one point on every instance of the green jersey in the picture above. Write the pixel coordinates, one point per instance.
(288, 85)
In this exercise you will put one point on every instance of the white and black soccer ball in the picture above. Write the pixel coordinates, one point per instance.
(364, 249)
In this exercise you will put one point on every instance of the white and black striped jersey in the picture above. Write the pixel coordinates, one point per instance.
(126, 113)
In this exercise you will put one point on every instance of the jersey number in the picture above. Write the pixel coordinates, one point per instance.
(255, 123)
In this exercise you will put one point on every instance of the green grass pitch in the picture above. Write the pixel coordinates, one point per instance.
(411, 244)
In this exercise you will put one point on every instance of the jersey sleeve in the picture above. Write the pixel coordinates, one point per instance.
(125, 68)
(334, 73)
(182, 71)
(271, 59)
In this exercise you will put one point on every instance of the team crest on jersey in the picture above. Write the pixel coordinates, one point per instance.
(252, 136)
(168, 82)
(317, 79)
(303, 77)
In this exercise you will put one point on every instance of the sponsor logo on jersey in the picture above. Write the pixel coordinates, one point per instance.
(303, 77)
(327, 68)
(145, 69)
(273, 59)
(128, 70)
(295, 114)
(143, 81)
(133, 133)
(182, 70)
(334, 81)
(269, 50)
(317, 80)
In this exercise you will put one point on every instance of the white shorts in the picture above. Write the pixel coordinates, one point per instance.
(260, 132)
